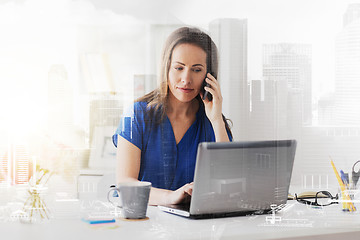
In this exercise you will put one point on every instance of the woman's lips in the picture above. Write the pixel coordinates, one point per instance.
(186, 90)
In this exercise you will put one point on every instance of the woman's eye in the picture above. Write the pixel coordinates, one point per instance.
(179, 68)
(197, 70)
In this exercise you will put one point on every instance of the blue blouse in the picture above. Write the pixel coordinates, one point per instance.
(164, 163)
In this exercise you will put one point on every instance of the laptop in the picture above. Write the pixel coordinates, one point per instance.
(238, 178)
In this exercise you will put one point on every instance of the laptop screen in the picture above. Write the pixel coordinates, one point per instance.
(242, 176)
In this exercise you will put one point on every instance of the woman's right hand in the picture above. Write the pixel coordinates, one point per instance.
(181, 195)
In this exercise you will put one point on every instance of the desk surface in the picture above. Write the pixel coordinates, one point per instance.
(296, 220)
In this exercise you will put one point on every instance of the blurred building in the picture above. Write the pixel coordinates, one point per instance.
(230, 36)
(156, 35)
(269, 99)
(144, 83)
(105, 110)
(326, 110)
(347, 71)
(4, 166)
(60, 104)
(352, 14)
(20, 164)
(15, 165)
(291, 63)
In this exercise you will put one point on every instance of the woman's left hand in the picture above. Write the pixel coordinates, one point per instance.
(213, 109)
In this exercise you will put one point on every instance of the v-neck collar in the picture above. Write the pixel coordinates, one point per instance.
(197, 115)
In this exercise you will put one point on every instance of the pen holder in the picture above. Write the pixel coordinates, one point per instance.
(349, 199)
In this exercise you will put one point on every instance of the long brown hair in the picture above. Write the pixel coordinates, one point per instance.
(157, 99)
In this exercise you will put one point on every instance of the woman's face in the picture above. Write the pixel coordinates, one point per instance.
(187, 71)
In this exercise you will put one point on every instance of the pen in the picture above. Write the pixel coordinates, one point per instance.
(98, 221)
(345, 180)
(344, 177)
(342, 187)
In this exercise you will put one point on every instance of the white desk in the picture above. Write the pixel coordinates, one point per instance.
(298, 221)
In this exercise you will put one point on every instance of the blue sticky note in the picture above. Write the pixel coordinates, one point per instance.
(97, 221)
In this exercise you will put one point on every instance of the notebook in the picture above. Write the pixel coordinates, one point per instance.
(238, 178)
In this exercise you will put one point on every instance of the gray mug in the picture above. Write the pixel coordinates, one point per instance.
(134, 197)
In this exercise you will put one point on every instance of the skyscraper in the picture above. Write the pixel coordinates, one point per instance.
(20, 164)
(351, 14)
(230, 36)
(291, 63)
(4, 166)
(347, 73)
(60, 103)
(15, 164)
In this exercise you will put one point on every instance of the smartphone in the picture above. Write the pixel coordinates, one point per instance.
(206, 93)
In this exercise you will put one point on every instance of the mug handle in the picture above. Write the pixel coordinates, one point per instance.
(113, 188)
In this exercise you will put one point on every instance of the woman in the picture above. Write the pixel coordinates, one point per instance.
(157, 138)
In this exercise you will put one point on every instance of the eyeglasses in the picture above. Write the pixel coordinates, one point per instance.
(322, 198)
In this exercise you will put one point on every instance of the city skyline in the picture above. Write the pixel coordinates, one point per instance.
(308, 22)
(265, 24)
(133, 52)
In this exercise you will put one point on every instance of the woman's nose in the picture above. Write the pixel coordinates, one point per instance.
(186, 77)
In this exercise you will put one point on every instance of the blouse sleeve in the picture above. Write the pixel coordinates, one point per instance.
(131, 126)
